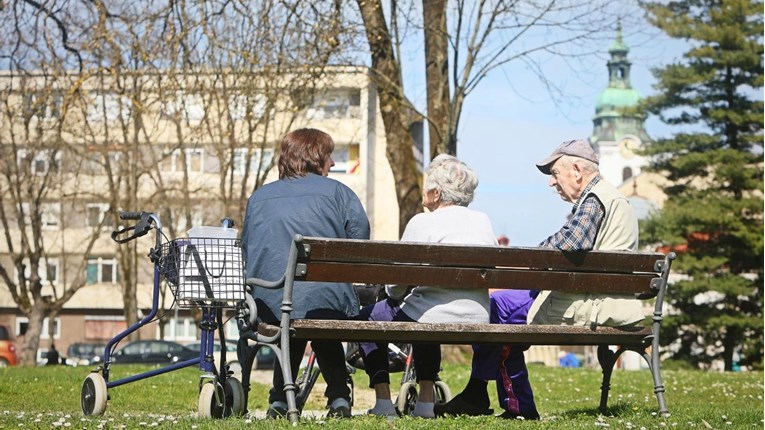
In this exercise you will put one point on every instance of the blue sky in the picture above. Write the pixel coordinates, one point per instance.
(510, 121)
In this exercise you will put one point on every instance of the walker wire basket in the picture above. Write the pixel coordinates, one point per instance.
(203, 271)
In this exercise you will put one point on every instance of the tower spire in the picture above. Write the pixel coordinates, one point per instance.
(619, 65)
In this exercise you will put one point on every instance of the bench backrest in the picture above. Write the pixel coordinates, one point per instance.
(461, 266)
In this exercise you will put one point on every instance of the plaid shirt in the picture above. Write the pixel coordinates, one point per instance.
(581, 229)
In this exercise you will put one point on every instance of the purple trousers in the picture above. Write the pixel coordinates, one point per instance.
(506, 363)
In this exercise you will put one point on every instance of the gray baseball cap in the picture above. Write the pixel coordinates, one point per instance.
(575, 148)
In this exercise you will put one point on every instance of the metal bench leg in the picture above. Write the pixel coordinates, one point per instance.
(607, 360)
(658, 387)
(290, 388)
(653, 365)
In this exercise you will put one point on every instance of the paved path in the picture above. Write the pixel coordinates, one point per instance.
(363, 397)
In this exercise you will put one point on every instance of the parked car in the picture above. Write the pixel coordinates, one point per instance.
(42, 357)
(7, 348)
(153, 352)
(264, 359)
(84, 354)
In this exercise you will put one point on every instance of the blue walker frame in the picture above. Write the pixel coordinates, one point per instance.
(221, 394)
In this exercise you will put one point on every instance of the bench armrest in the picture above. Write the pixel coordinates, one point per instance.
(257, 282)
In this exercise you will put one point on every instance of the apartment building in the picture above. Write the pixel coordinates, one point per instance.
(79, 148)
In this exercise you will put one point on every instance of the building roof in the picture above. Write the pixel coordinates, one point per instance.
(616, 113)
(646, 191)
(612, 101)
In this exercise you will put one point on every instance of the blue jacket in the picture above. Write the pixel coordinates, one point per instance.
(312, 205)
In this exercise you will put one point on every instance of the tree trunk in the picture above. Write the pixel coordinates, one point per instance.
(32, 335)
(437, 78)
(386, 74)
(128, 251)
(129, 282)
(730, 342)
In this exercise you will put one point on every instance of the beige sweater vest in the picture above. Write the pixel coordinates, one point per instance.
(618, 232)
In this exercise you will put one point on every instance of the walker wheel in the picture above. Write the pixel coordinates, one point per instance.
(93, 395)
(234, 397)
(407, 398)
(443, 393)
(212, 400)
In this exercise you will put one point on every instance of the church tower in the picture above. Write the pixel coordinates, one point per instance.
(618, 126)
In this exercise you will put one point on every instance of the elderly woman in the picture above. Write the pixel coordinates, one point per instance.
(449, 187)
(304, 201)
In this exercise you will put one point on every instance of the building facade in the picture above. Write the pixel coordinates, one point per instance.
(78, 149)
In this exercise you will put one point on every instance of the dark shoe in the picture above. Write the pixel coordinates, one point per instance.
(341, 409)
(459, 406)
(528, 416)
(277, 410)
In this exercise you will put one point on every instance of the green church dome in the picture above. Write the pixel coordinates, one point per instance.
(616, 99)
(615, 115)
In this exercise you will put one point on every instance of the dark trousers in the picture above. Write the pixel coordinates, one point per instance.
(331, 358)
(427, 357)
(330, 355)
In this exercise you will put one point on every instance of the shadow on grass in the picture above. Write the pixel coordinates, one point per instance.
(615, 410)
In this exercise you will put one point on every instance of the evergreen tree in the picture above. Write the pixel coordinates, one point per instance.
(713, 216)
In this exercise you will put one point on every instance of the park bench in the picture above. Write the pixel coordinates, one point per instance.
(459, 266)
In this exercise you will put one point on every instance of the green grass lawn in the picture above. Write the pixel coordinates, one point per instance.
(48, 397)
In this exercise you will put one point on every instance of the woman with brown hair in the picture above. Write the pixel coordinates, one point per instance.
(304, 201)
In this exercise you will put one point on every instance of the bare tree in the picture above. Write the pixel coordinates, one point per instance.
(464, 41)
(38, 267)
(488, 35)
(437, 77)
(397, 112)
(261, 69)
(145, 88)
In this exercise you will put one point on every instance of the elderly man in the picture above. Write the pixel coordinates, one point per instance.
(601, 218)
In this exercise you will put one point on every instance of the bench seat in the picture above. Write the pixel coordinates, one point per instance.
(460, 334)
(641, 274)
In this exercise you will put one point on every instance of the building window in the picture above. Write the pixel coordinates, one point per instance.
(43, 105)
(337, 103)
(101, 328)
(240, 160)
(39, 162)
(22, 324)
(102, 270)
(98, 162)
(182, 329)
(173, 162)
(188, 107)
(231, 329)
(98, 213)
(109, 108)
(178, 217)
(346, 158)
(50, 215)
(48, 270)
(626, 173)
(241, 104)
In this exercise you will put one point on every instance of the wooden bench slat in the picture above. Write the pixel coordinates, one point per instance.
(462, 277)
(348, 250)
(373, 331)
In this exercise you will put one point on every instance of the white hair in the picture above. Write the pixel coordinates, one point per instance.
(456, 181)
(587, 166)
